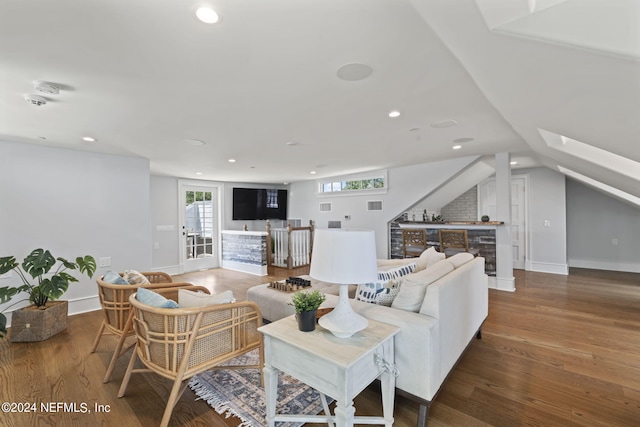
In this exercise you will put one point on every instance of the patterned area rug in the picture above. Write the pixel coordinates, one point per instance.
(238, 392)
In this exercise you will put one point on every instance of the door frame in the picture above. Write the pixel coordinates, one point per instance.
(525, 246)
(219, 190)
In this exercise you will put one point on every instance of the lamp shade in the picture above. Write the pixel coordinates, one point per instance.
(344, 256)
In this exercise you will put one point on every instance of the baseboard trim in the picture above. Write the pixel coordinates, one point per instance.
(502, 284)
(605, 265)
(547, 267)
(171, 270)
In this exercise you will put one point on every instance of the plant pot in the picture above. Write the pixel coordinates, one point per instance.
(306, 320)
(33, 323)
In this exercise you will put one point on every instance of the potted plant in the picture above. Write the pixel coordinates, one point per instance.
(45, 317)
(306, 305)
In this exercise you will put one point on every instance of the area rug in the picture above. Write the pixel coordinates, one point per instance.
(238, 392)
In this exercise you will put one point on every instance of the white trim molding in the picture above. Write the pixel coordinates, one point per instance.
(605, 265)
(502, 283)
(547, 267)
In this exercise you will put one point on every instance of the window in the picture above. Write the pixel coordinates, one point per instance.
(370, 183)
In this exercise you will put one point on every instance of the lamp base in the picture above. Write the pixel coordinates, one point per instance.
(343, 322)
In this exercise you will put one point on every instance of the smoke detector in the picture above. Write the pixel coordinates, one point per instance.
(46, 87)
(35, 100)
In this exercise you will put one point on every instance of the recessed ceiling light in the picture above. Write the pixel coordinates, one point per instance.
(463, 140)
(46, 87)
(394, 114)
(354, 72)
(198, 173)
(207, 15)
(88, 139)
(444, 124)
(292, 143)
(312, 172)
(414, 129)
(44, 138)
(457, 147)
(513, 163)
(232, 160)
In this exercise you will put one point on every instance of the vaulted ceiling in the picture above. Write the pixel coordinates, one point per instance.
(549, 81)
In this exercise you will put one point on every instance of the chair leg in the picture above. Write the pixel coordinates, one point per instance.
(423, 414)
(127, 374)
(118, 349)
(98, 337)
(176, 391)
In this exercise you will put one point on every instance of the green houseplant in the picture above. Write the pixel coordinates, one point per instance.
(39, 281)
(306, 305)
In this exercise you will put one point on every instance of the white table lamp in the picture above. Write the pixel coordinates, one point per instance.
(344, 257)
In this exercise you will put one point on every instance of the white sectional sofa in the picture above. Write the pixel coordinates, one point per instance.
(440, 307)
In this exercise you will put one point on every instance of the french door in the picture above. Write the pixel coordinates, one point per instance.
(199, 227)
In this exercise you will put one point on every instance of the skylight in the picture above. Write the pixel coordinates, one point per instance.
(601, 186)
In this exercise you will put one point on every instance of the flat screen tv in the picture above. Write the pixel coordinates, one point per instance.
(259, 203)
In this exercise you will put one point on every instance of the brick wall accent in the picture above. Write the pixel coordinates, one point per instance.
(464, 208)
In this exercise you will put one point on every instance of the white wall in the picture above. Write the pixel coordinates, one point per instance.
(406, 185)
(593, 221)
(74, 203)
(165, 208)
(547, 249)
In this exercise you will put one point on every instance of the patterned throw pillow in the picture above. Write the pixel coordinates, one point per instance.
(383, 291)
(191, 299)
(134, 277)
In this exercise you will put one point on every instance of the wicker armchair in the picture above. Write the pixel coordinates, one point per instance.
(114, 300)
(182, 342)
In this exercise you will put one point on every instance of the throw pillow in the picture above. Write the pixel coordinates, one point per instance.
(134, 277)
(388, 293)
(145, 296)
(191, 299)
(113, 278)
(430, 257)
(397, 272)
(414, 287)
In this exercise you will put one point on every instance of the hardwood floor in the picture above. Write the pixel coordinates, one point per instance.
(560, 351)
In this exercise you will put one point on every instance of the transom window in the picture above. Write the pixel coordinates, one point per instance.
(353, 184)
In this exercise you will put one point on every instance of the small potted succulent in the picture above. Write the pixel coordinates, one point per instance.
(43, 286)
(306, 305)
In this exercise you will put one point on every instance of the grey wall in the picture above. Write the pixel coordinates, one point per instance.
(593, 221)
(74, 203)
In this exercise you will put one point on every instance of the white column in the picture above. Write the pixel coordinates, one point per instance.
(504, 244)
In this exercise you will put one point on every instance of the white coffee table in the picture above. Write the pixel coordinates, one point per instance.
(336, 367)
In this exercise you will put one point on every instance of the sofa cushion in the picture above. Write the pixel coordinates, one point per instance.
(154, 299)
(461, 258)
(191, 299)
(134, 277)
(414, 286)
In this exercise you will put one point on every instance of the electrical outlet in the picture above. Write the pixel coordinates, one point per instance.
(156, 245)
(104, 261)
(547, 223)
(614, 241)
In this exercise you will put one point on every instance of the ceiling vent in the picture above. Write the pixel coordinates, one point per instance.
(35, 100)
(374, 205)
(325, 207)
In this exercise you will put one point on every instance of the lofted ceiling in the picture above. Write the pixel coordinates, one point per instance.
(261, 86)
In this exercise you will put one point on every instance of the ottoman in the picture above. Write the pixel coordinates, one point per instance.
(274, 304)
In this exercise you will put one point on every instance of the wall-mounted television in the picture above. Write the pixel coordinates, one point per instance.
(259, 203)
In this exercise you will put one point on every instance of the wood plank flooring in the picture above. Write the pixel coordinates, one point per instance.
(560, 351)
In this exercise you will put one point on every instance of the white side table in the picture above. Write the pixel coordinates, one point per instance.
(336, 367)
